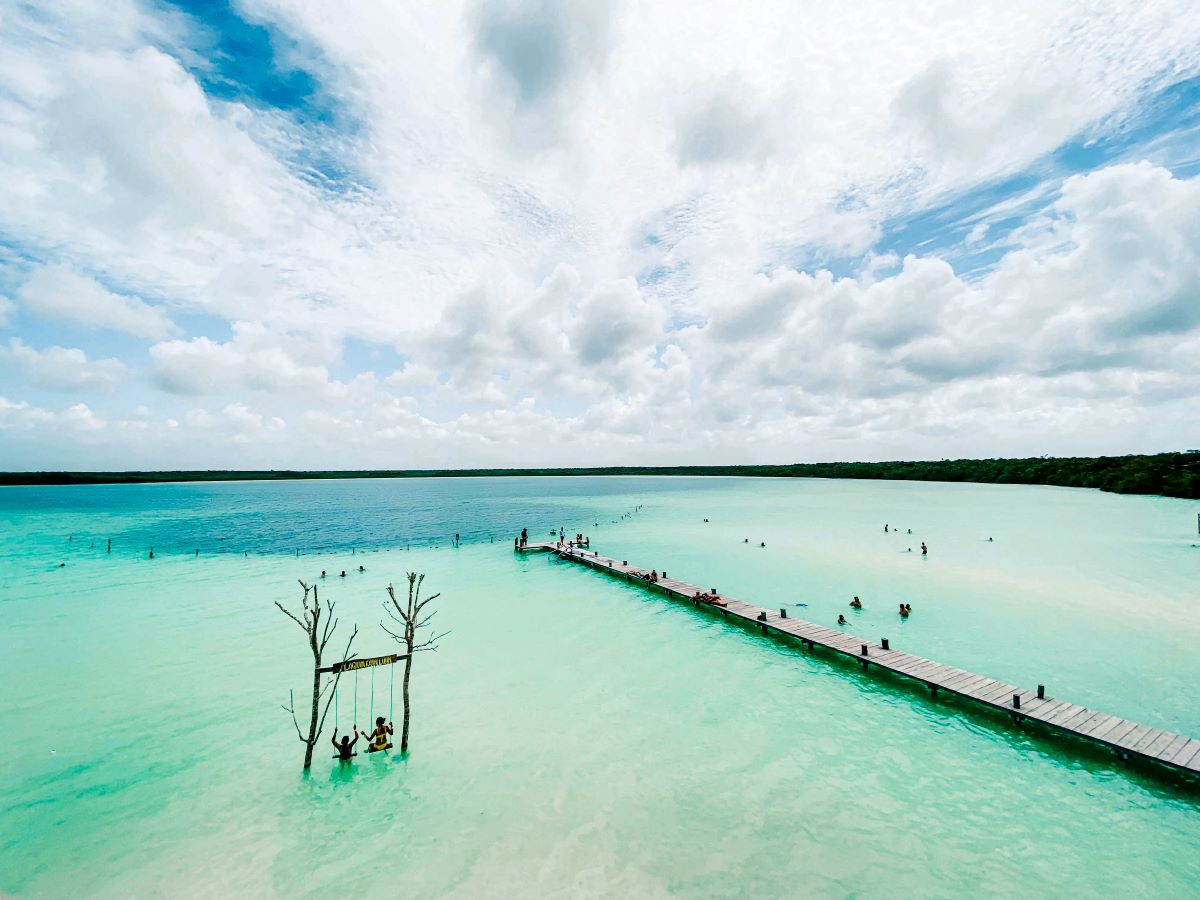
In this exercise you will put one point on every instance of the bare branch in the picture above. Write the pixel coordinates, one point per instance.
(422, 604)
(290, 615)
(291, 707)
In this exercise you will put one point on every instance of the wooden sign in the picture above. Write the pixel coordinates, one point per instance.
(351, 664)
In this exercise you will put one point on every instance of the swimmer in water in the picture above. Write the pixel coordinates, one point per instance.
(343, 575)
(904, 610)
(856, 603)
(361, 569)
(924, 549)
(379, 737)
(345, 749)
(841, 619)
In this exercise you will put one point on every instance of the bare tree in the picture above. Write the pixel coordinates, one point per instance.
(319, 624)
(411, 617)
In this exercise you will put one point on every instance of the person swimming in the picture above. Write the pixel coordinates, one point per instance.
(343, 575)
(841, 619)
(322, 573)
(762, 544)
(379, 737)
(856, 603)
(345, 749)
(905, 609)
(361, 569)
(924, 549)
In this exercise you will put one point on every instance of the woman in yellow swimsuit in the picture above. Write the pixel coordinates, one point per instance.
(379, 737)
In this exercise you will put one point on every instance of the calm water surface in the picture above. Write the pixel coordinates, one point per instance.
(575, 736)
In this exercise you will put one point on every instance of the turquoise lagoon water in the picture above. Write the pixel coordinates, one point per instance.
(575, 736)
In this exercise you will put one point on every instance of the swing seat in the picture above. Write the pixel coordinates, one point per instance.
(374, 749)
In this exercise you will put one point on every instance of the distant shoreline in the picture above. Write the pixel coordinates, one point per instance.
(1164, 474)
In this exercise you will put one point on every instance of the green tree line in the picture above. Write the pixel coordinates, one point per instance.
(1168, 474)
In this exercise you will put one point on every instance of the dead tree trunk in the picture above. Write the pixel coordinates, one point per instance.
(409, 615)
(310, 619)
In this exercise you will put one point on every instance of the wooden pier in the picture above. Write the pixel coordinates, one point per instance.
(1127, 738)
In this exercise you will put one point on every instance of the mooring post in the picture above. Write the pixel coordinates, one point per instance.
(783, 613)
(884, 644)
(1016, 701)
(1041, 692)
(864, 650)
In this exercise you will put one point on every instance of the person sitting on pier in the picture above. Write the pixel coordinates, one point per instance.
(654, 575)
(856, 603)
(841, 619)
(379, 737)
(345, 749)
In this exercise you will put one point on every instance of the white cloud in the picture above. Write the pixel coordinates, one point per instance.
(254, 359)
(584, 224)
(56, 292)
(60, 368)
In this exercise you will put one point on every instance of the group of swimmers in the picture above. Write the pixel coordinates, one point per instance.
(856, 603)
(343, 575)
(380, 740)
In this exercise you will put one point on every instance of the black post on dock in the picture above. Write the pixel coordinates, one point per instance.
(1016, 701)
(1041, 692)
(783, 613)
(864, 650)
(884, 644)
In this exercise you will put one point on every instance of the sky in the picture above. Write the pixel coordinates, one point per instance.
(302, 234)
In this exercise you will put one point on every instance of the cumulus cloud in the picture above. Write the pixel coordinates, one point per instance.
(56, 292)
(254, 359)
(551, 223)
(61, 368)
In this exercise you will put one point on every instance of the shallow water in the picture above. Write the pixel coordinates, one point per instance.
(574, 735)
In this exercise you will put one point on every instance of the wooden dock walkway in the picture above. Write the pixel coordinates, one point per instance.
(1126, 737)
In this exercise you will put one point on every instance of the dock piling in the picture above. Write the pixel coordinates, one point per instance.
(884, 644)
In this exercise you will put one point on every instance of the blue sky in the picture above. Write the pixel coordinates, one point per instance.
(278, 234)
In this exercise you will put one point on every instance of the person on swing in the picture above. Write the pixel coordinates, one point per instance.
(379, 737)
(345, 749)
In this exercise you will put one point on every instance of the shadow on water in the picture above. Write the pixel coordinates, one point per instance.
(1066, 750)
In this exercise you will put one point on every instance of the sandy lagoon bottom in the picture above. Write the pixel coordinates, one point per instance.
(575, 736)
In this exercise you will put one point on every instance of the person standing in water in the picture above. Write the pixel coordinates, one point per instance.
(379, 737)
(924, 549)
